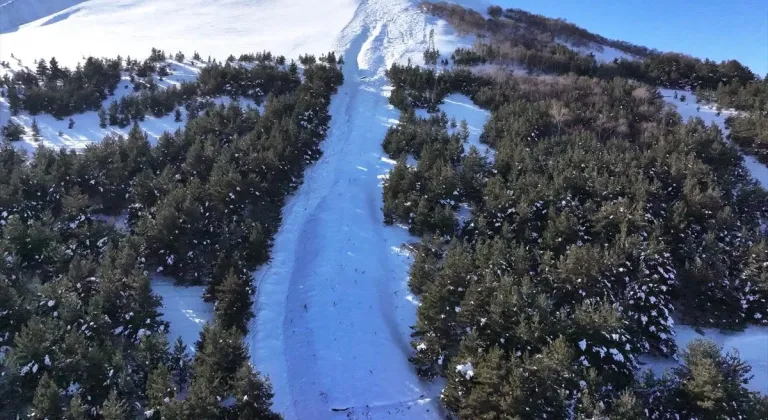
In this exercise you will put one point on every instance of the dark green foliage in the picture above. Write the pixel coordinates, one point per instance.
(201, 204)
(35, 129)
(514, 36)
(13, 131)
(61, 92)
(47, 401)
(750, 132)
(587, 233)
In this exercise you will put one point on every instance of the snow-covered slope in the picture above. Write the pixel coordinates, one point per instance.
(216, 28)
(333, 310)
(14, 13)
(752, 343)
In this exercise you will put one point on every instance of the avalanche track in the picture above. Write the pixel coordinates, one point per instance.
(333, 311)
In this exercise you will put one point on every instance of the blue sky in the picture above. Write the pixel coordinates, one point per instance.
(715, 29)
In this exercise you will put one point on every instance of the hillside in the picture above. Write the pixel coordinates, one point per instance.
(351, 228)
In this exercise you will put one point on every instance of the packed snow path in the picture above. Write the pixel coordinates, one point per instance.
(333, 311)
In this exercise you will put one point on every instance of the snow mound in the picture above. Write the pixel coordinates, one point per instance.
(14, 13)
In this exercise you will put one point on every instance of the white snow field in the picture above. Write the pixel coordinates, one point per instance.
(104, 28)
(602, 53)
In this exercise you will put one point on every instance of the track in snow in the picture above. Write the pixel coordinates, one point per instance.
(332, 325)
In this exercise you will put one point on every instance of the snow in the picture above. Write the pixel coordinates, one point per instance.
(215, 28)
(183, 308)
(86, 129)
(460, 107)
(332, 307)
(14, 13)
(752, 345)
(602, 53)
(466, 369)
(708, 113)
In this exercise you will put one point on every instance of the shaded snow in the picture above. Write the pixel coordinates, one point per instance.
(183, 308)
(14, 13)
(751, 344)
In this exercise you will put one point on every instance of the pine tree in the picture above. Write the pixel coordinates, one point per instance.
(56, 72)
(253, 396)
(180, 363)
(14, 100)
(159, 389)
(114, 408)
(627, 407)
(102, 117)
(35, 129)
(47, 401)
(495, 11)
(42, 69)
(711, 384)
(233, 307)
(13, 131)
(76, 409)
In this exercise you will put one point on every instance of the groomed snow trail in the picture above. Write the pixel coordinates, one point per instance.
(333, 311)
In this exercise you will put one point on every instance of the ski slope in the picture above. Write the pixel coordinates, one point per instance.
(333, 310)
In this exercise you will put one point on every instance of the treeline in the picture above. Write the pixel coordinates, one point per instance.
(600, 217)
(61, 92)
(528, 28)
(537, 43)
(80, 332)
